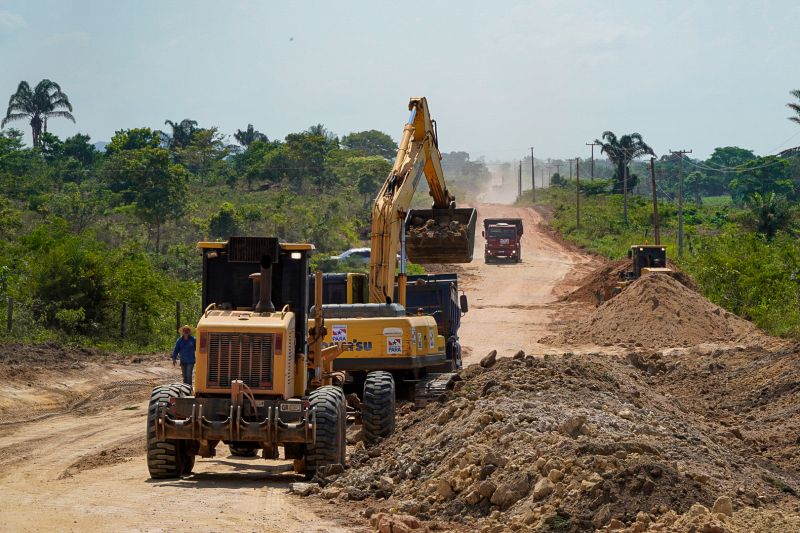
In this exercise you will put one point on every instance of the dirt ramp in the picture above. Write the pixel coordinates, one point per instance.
(593, 284)
(656, 311)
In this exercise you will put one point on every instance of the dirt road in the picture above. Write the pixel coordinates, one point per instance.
(79, 466)
(83, 468)
(513, 305)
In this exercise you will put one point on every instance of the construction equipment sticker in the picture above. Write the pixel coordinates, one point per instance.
(394, 345)
(339, 333)
(431, 338)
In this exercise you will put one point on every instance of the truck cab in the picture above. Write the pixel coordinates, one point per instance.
(503, 239)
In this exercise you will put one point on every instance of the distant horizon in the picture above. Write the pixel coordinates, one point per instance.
(499, 78)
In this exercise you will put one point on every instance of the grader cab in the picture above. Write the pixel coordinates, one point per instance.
(261, 380)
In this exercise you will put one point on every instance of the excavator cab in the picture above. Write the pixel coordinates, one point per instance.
(440, 235)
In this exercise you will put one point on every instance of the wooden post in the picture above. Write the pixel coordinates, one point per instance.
(123, 327)
(577, 193)
(656, 223)
(177, 316)
(9, 313)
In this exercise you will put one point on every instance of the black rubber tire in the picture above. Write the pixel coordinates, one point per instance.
(378, 406)
(242, 451)
(168, 458)
(330, 446)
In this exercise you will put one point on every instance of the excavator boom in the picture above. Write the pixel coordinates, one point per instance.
(442, 234)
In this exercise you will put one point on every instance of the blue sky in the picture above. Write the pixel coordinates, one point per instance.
(499, 76)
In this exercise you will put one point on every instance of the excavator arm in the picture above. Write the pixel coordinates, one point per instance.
(418, 155)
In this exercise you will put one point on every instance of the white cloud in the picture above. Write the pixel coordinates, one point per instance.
(11, 21)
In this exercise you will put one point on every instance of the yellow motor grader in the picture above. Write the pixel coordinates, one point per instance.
(263, 378)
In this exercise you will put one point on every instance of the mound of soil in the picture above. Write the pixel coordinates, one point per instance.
(591, 287)
(656, 311)
(580, 442)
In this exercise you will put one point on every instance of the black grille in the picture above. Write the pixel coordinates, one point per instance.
(247, 357)
(252, 249)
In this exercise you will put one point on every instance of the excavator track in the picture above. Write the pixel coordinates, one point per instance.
(429, 388)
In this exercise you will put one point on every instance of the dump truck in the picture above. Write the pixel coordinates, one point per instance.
(503, 239)
(263, 378)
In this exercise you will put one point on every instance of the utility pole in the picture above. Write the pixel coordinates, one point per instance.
(655, 199)
(577, 192)
(542, 177)
(570, 169)
(519, 181)
(681, 153)
(593, 144)
(533, 177)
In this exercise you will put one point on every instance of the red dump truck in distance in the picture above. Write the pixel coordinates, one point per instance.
(503, 239)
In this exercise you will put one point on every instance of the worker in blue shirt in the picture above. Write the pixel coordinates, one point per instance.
(184, 348)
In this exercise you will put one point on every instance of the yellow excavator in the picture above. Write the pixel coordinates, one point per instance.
(442, 234)
(388, 345)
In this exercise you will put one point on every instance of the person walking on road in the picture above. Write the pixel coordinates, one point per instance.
(184, 348)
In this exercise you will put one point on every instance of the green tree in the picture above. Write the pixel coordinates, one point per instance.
(133, 139)
(206, 147)
(156, 188)
(770, 213)
(621, 151)
(371, 142)
(225, 222)
(37, 105)
(762, 176)
(249, 136)
(795, 106)
(182, 133)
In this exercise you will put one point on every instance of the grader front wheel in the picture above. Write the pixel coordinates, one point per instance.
(167, 458)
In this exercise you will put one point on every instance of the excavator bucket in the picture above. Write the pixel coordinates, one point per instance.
(440, 235)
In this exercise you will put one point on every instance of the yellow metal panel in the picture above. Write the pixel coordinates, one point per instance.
(297, 247)
(203, 245)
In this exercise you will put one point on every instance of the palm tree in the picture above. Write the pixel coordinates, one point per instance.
(249, 136)
(45, 101)
(182, 133)
(770, 212)
(621, 151)
(795, 106)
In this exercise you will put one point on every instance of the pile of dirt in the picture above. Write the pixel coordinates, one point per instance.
(656, 311)
(577, 442)
(590, 289)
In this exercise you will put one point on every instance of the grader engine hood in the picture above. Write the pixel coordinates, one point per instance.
(257, 348)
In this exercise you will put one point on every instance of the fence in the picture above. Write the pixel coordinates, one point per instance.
(24, 319)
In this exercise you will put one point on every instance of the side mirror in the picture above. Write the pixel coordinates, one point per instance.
(463, 303)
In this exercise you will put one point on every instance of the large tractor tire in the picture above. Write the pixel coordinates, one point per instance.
(167, 458)
(242, 451)
(378, 406)
(330, 446)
